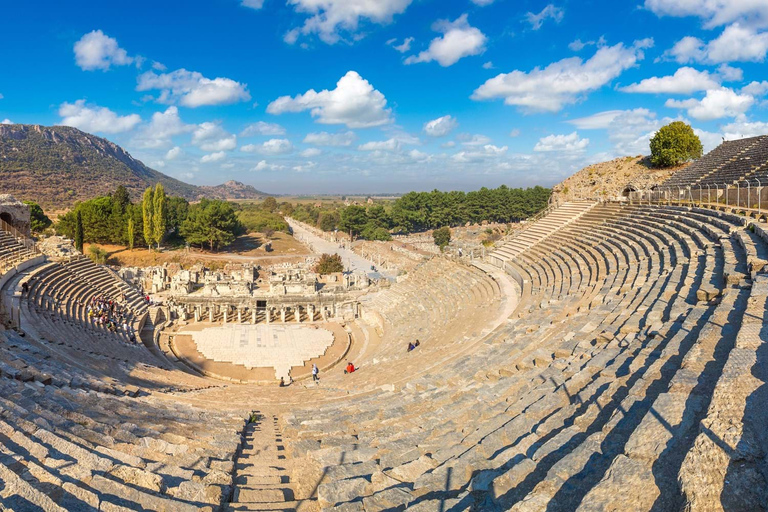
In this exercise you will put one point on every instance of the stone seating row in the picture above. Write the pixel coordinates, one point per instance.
(575, 394)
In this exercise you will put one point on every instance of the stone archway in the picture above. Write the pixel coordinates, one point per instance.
(6, 217)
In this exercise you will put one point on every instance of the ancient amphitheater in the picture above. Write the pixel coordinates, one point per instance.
(609, 356)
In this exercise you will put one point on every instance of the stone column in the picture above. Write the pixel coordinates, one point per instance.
(311, 312)
(197, 314)
(297, 313)
(268, 313)
(253, 315)
(239, 315)
(210, 314)
(226, 310)
(282, 315)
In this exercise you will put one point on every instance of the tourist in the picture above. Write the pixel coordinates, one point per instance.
(282, 382)
(350, 368)
(411, 346)
(315, 371)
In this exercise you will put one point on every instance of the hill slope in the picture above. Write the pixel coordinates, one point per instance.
(60, 165)
(610, 179)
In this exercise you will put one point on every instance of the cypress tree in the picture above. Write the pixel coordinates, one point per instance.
(159, 215)
(79, 235)
(147, 209)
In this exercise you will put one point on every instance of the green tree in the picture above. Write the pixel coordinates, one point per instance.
(675, 144)
(353, 219)
(211, 222)
(79, 233)
(131, 233)
(442, 237)
(97, 254)
(269, 204)
(147, 208)
(39, 221)
(121, 198)
(159, 215)
(328, 264)
(177, 210)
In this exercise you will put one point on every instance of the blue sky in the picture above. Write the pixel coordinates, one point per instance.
(365, 96)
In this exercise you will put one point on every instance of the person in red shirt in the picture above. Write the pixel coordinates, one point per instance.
(350, 368)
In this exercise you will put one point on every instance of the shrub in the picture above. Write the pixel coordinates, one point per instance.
(97, 254)
(675, 144)
(442, 237)
(328, 264)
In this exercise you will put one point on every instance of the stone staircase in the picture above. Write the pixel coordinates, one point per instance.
(541, 229)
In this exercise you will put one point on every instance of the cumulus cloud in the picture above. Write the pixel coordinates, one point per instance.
(737, 43)
(330, 139)
(173, 153)
(685, 81)
(96, 50)
(210, 136)
(262, 128)
(484, 153)
(717, 103)
(395, 143)
(311, 152)
(270, 147)
(548, 12)
(563, 82)
(6, 121)
(263, 165)
(570, 142)
(756, 89)
(441, 126)
(629, 131)
(192, 89)
(92, 118)
(354, 102)
(403, 47)
(713, 12)
(488, 65)
(741, 129)
(162, 127)
(459, 40)
(473, 140)
(329, 18)
(213, 157)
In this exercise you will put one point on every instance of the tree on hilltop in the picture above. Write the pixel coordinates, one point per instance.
(674, 144)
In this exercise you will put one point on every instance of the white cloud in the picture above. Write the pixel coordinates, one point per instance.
(330, 139)
(598, 121)
(473, 140)
(192, 89)
(95, 50)
(570, 142)
(213, 157)
(402, 48)
(514, 133)
(354, 102)
(328, 18)
(161, 128)
(459, 40)
(488, 65)
(383, 145)
(717, 103)
(212, 137)
(685, 81)
(482, 3)
(737, 43)
(262, 128)
(739, 130)
(756, 88)
(92, 118)
(577, 45)
(629, 131)
(311, 152)
(713, 12)
(253, 4)
(270, 147)
(562, 82)
(441, 126)
(263, 165)
(6, 121)
(477, 155)
(730, 74)
(173, 153)
(550, 11)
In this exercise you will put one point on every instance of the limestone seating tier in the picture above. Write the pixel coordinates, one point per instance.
(12, 252)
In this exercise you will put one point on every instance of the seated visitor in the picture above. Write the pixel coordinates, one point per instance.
(350, 368)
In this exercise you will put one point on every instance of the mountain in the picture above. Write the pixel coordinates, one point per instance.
(59, 165)
(232, 190)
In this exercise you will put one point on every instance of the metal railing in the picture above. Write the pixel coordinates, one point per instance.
(23, 249)
(730, 196)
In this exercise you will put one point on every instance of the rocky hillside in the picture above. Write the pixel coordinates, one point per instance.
(232, 190)
(611, 179)
(60, 165)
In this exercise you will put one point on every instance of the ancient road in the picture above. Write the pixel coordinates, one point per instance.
(352, 261)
